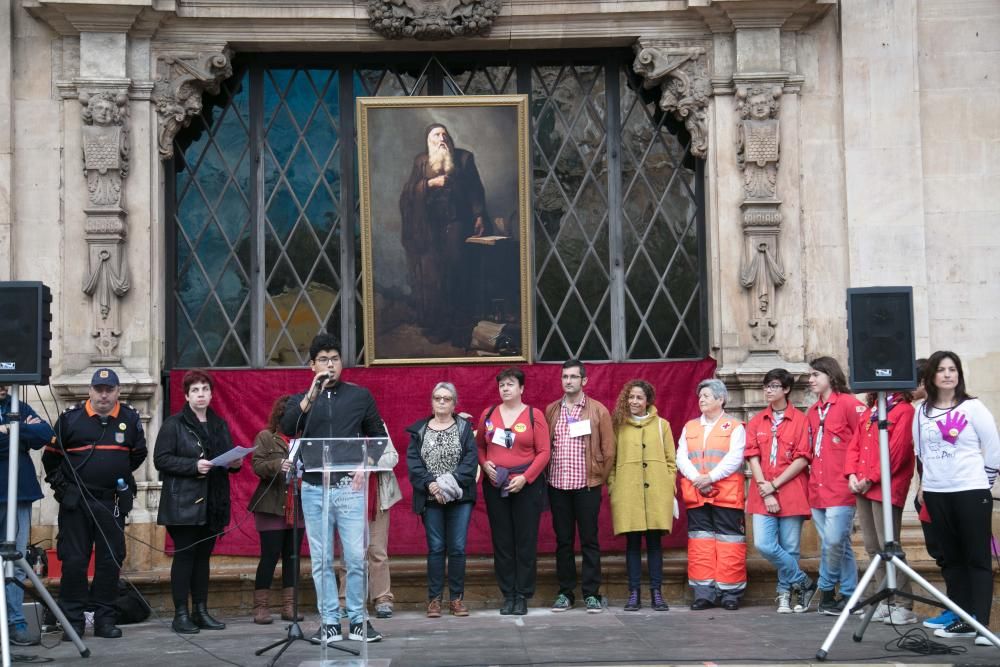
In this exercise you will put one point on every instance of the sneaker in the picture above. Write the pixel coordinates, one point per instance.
(19, 636)
(982, 640)
(942, 620)
(881, 613)
(383, 610)
(434, 608)
(830, 605)
(657, 601)
(562, 603)
(594, 605)
(633, 604)
(804, 597)
(784, 602)
(899, 616)
(957, 629)
(360, 634)
(326, 634)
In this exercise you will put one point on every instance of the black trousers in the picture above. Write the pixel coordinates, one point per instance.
(275, 544)
(514, 528)
(79, 534)
(572, 511)
(189, 572)
(930, 539)
(961, 522)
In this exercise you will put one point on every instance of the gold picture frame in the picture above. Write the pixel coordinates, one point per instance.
(445, 215)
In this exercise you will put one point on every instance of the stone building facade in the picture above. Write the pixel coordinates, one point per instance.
(844, 144)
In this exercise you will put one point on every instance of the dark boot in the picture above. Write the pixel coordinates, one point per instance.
(287, 606)
(508, 607)
(633, 604)
(520, 606)
(204, 620)
(659, 604)
(182, 622)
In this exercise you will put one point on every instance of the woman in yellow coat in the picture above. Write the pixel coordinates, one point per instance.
(641, 486)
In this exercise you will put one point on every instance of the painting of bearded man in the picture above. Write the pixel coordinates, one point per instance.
(444, 197)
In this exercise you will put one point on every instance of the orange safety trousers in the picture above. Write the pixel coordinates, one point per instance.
(717, 551)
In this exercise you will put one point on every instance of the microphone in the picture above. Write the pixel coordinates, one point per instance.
(322, 379)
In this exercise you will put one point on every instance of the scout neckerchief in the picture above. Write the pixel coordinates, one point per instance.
(777, 416)
(889, 404)
(822, 412)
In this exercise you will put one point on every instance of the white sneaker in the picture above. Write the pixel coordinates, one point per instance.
(881, 612)
(899, 616)
(784, 603)
(981, 640)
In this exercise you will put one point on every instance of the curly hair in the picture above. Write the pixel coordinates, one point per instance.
(277, 412)
(621, 412)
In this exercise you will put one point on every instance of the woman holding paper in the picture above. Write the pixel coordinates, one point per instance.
(194, 500)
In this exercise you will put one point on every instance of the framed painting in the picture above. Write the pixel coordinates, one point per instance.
(444, 228)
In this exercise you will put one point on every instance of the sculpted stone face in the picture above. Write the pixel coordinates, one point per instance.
(760, 107)
(103, 112)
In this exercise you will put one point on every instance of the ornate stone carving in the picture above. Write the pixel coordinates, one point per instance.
(757, 155)
(757, 150)
(177, 91)
(105, 146)
(432, 19)
(105, 163)
(682, 77)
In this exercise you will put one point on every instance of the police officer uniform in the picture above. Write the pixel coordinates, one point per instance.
(88, 455)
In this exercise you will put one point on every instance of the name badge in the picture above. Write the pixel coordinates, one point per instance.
(579, 429)
(499, 437)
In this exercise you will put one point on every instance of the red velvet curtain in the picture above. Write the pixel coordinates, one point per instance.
(244, 398)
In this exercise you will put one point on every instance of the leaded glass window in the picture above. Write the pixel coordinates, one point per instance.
(264, 241)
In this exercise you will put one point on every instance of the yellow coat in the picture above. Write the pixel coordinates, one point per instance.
(641, 484)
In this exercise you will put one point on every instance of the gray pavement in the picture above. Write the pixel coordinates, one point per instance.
(754, 636)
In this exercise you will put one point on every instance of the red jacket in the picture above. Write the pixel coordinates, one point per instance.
(531, 445)
(827, 484)
(863, 453)
(793, 443)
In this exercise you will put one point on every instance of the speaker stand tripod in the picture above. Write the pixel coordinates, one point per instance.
(890, 558)
(8, 548)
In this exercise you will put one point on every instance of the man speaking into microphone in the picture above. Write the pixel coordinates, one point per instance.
(334, 409)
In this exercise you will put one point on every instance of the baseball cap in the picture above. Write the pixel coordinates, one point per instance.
(104, 377)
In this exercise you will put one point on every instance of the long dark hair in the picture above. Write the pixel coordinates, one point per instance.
(621, 413)
(830, 366)
(930, 373)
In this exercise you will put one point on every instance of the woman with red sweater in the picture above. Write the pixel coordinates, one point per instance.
(863, 471)
(514, 449)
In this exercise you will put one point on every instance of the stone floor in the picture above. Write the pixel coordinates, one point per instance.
(754, 635)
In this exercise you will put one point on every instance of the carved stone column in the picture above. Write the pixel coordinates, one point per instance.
(181, 79)
(681, 75)
(105, 165)
(757, 154)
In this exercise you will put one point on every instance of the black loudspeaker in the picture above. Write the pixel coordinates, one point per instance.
(25, 333)
(880, 343)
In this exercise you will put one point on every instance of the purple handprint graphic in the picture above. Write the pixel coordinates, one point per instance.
(950, 427)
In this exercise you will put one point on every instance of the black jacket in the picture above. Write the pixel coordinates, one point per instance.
(344, 410)
(186, 495)
(464, 473)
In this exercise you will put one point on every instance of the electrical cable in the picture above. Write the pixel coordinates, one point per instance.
(107, 542)
(916, 640)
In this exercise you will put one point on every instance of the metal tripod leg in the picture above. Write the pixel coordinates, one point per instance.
(835, 630)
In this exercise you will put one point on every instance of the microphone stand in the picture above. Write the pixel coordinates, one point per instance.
(294, 630)
(9, 554)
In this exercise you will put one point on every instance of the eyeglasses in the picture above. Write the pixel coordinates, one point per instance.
(774, 386)
(443, 399)
(324, 361)
(572, 377)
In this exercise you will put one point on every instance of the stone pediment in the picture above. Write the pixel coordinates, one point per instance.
(432, 19)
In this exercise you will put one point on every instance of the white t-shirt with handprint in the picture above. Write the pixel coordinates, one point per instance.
(959, 447)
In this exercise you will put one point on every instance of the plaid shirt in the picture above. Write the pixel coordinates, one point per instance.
(568, 466)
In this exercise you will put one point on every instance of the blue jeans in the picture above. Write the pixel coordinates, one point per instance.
(446, 527)
(777, 539)
(345, 514)
(14, 593)
(837, 564)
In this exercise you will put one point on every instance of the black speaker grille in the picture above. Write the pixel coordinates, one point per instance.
(24, 333)
(880, 331)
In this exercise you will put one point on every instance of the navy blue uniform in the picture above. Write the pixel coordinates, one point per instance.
(87, 456)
